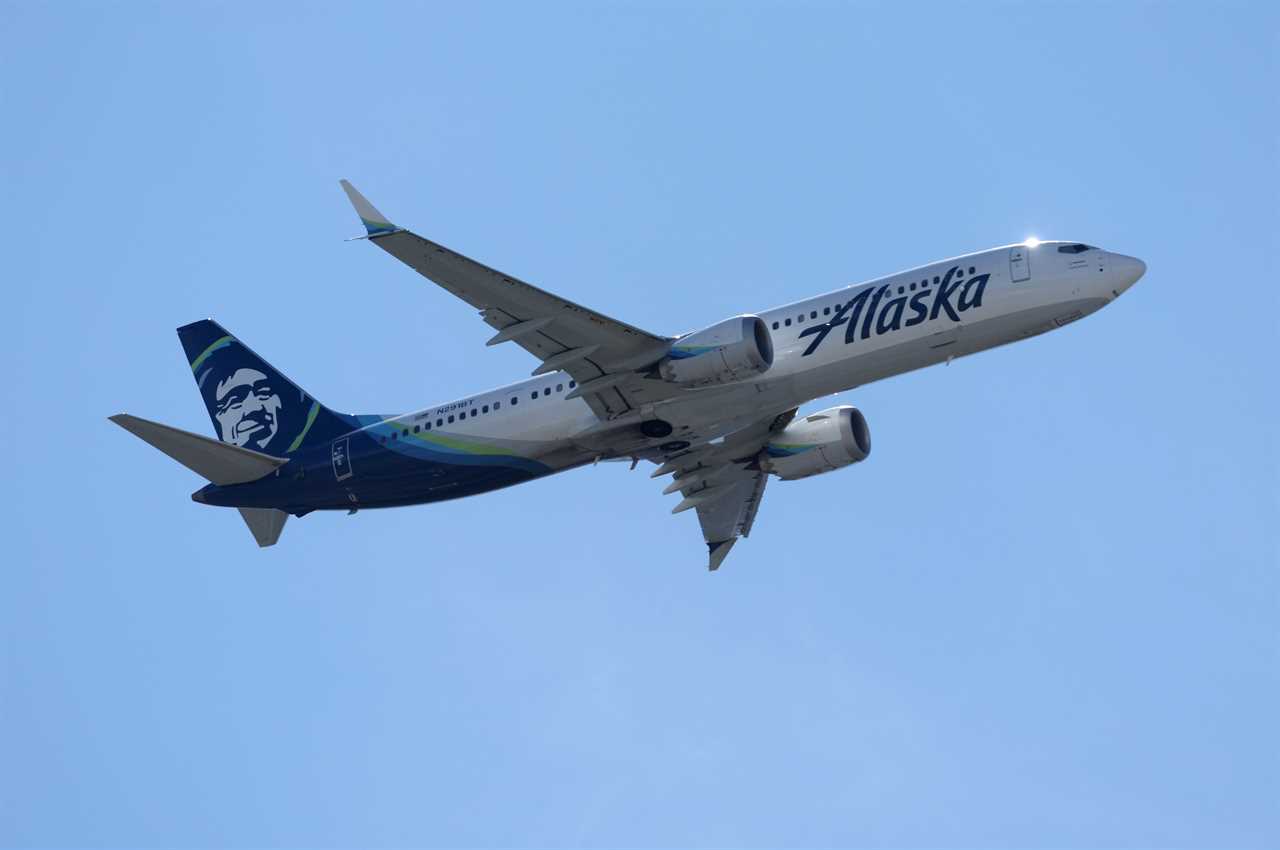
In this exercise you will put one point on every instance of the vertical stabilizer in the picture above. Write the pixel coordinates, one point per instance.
(250, 402)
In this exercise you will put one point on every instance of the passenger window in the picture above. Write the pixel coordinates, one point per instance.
(788, 323)
(497, 405)
(426, 427)
(415, 429)
(826, 311)
(484, 409)
(971, 270)
(912, 287)
(572, 384)
(559, 388)
(439, 422)
(935, 280)
(547, 391)
(474, 413)
(900, 290)
(813, 314)
(451, 419)
(775, 326)
(515, 400)
(533, 396)
(800, 318)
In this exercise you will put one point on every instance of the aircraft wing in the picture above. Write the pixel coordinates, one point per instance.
(600, 353)
(724, 483)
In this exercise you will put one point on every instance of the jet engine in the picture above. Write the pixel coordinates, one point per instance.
(827, 440)
(733, 350)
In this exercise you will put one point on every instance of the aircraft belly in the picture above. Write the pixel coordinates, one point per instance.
(1011, 327)
(385, 478)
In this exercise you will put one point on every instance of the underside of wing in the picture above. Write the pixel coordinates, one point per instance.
(724, 483)
(731, 514)
(601, 354)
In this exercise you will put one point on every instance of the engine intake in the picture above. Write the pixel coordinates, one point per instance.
(733, 350)
(827, 440)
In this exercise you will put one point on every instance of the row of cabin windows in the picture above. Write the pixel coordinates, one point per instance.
(902, 290)
(473, 412)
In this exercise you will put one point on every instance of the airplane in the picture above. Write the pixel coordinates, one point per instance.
(717, 408)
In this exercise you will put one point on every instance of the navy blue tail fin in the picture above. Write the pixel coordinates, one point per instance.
(251, 404)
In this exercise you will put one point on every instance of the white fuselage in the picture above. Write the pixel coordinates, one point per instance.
(989, 298)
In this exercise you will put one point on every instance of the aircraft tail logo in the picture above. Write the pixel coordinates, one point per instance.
(251, 404)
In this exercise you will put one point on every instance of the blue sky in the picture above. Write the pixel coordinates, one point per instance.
(1043, 614)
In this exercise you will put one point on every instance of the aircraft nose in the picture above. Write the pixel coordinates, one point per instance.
(1127, 270)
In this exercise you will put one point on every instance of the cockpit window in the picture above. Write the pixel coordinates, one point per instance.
(1077, 248)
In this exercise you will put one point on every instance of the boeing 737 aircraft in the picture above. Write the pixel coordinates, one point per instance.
(716, 409)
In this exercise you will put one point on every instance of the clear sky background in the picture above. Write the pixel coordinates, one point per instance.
(1043, 614)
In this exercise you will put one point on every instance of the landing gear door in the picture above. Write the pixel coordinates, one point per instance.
(1019, 264)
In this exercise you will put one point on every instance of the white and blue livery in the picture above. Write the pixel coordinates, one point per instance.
(716, 409)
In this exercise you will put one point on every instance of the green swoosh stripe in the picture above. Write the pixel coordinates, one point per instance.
(311, 418)
(216, 344)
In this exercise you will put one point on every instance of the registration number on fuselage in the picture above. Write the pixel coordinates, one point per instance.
(450, 408)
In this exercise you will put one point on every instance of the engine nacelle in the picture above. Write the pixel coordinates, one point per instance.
(827, 440)
(733, 350)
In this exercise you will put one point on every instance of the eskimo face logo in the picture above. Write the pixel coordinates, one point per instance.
(247, 409)
(952, 294)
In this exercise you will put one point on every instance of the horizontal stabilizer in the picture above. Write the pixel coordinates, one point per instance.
(265, 523)
(219, 463)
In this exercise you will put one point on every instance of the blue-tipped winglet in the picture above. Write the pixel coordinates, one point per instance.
(374, 222)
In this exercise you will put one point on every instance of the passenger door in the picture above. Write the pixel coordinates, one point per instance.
(342, 458)
(1019, 264)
